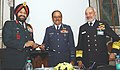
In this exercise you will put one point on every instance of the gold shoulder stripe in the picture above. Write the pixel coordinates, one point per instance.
(79, 53)
(116, 45)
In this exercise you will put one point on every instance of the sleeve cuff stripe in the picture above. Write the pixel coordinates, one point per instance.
(79, 53)
(115, 46)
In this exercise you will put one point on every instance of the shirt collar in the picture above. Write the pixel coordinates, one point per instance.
(23, 24)
(92, 22)
(57, 25)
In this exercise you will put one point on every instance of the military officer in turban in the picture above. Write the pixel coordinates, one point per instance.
(17, 35)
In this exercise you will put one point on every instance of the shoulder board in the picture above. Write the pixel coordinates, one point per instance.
(29, 25)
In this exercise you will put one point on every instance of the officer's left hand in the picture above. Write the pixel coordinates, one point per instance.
(112, 56)
(72, 62)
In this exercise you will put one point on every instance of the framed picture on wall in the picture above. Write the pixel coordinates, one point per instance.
(1, 45)
(1, 21)
(0, 33)
(1, 13)
(109, 11)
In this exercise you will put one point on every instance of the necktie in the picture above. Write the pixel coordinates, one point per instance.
(90, 24)
(22, 25)
(57, 27)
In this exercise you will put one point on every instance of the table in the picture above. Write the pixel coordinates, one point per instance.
(106, 67)
(38, 58)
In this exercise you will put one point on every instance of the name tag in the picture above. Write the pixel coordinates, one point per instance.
(100, 32)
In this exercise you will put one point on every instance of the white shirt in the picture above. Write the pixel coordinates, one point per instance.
(58, 27)
(23, 24)
(91, 22)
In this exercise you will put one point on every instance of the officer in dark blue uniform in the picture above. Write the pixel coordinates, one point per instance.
(91, 50)
(59, 41)
(17, 35)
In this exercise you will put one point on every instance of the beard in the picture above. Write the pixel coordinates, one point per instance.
(90, 19)
(21, 18)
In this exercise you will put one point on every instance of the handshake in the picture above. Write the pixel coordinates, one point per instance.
(34, 45)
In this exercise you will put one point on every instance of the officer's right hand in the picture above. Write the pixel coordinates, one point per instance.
(42, 47)
(29, 43)
(80, 64)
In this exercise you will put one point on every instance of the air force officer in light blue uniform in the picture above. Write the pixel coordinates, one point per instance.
(59, 41)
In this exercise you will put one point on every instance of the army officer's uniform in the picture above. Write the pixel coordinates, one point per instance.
(15, 35)
(91, 47)
(60, 44)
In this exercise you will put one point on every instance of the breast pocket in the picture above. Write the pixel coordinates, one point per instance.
(51, 36)
(64, 36)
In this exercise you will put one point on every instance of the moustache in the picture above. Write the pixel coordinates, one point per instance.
(21, 19)
(22, 16)
(56, 20)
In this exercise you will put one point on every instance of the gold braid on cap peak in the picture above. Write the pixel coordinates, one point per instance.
(24, 4)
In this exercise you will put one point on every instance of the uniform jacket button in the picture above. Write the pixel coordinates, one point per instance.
(89, 50)
(57, 33)
(88, 36)
(96, 49)
(58, 39)
(95, 44)
(94, 35)
(88, 44)
(26, 36)
(88, 40)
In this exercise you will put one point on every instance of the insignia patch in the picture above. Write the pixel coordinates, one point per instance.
(24, 4)
(83, 32)
(29, 29)
(101, 26)
(100, 29)
(64, 30)
(18, 35)
(51, 33)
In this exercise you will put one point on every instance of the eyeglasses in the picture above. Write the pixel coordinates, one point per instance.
(57, 17)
